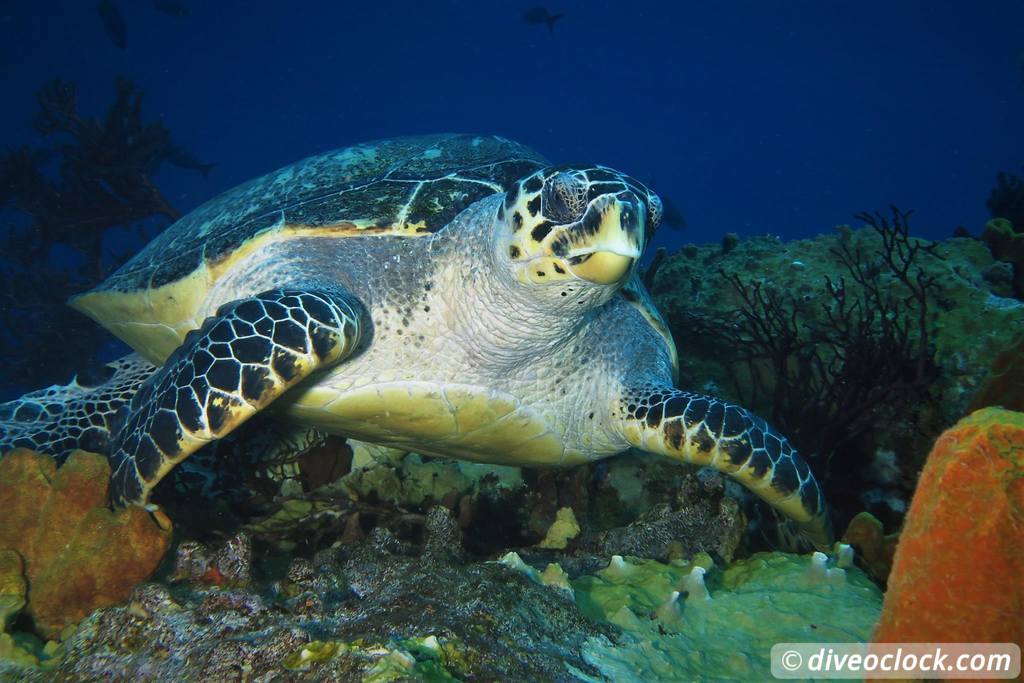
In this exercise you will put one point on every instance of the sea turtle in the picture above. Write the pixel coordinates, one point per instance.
(455, 295)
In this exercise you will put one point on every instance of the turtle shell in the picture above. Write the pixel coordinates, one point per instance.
(403, 186)
(406, 187)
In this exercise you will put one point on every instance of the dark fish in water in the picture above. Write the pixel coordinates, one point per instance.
(172, 8)
(113, 23)
(540, 15)
(182, 158)
(671, 216)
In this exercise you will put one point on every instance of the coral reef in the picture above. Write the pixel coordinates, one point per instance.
(1007, 244)
(681, 513)
(870, 352)
(875, 549)
(78, 554)
(1004, 385)
(956, 574)
(385, 609)
(856, 343)
(1007, 198)
(631, 504)
(375, 607)
(688, 621)
(565, 528)
(105, 179)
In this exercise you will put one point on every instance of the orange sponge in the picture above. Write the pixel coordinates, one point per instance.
(957, 574)
(79, 555)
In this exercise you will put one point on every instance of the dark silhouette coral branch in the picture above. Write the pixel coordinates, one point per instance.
(103, 179)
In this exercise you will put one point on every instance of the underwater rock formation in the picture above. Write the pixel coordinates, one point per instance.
(1007, 198)
(1004, 385)
(13, 592)
(957, 571)
(628, 505)
(875, 549)
(1006, 243)
(689, 621)
(384, 609)
(78, 554)
(788, 330)
(345, 614)
(690, 512)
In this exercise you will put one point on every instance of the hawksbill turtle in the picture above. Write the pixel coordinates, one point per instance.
(455, 295)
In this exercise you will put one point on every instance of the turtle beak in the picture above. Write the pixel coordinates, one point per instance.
(610, 237)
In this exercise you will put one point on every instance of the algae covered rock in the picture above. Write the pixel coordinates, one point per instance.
(684, 622)
(375, 610)
(1007, 244)
(380, 480)
(12, 587)
(383, 609)
(958, 566)
(874, 547)
(1004, 385)
(78, 554)
(562, 531)
(678, 512)
(971, 324)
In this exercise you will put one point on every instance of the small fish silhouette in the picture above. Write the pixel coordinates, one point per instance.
(182, 158)
(540, 15)
(113, 23)
(671, 216)
(173, 8)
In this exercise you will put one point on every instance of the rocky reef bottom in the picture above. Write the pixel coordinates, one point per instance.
(414, 569)
(383, 610)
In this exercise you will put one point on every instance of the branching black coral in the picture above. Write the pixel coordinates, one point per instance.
(882, 309)
(829, 369)
(97, 174)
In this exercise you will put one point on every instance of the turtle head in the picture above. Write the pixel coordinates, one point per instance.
(573, 229)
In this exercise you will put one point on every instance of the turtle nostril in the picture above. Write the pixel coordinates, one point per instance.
(564, 198)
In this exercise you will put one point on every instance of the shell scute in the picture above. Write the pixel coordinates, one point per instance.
(403, 186)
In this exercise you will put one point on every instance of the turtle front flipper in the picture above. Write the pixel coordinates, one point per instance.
(707, 431)
(237, 363)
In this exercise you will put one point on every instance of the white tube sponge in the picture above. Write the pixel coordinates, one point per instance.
(820, 572)
(618, 569)
(843, 554)
(670, 610)
(693, 585)
(513, 561)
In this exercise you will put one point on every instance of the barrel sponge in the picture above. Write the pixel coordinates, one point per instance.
(957, 571)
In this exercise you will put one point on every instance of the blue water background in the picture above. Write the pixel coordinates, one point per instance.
(753, 117)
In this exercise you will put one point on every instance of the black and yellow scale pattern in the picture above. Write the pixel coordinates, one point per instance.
(232, 367)
(556, 212)
(82, 414)
(702, 430)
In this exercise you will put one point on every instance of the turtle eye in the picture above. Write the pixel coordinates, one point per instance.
(564, 198)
